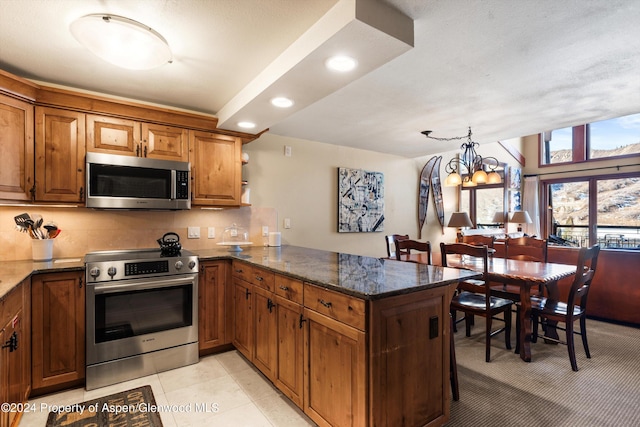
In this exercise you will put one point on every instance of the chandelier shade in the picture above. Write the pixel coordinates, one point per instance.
(468, 169)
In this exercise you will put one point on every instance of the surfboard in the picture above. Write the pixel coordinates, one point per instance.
(423, 193)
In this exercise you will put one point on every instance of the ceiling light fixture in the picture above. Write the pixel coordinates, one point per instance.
(341, 63)
(473, 164)
(281, 102)
(246, 125)
(122, 41)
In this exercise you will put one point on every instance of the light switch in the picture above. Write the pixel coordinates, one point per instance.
(193, 232)
(211, 232)
(287, 223)
(265, 231)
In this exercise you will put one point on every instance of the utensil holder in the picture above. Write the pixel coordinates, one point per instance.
(42, 249)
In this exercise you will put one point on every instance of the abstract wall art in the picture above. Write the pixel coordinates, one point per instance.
(360, 201)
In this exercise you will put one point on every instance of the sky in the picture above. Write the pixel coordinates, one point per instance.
(606, 134)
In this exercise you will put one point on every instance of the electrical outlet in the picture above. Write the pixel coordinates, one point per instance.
(193, 232)
(211, 232)
(287, 151)
(287, 223)
(265, 231)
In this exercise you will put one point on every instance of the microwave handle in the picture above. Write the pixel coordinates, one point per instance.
(174, 185)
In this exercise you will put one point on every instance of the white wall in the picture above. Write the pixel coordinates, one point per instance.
(303, 187)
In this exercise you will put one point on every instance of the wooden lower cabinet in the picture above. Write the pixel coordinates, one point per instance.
(242, 317)
(289, 377)
(409, 359)
(58, 331)
(212, 322)
(15, 353)
(265, 332)
(335, 372)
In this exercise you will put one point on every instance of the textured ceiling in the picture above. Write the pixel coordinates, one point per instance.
(505, 68)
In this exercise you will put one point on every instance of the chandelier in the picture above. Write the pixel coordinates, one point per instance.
(468, 169)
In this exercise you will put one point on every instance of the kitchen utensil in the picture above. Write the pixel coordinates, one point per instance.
(52, 230)
(170, 244)
(37, 223)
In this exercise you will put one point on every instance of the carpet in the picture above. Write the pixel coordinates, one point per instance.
(136, 407)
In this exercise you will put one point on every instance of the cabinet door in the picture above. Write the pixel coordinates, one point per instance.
(16, 146)
(265, 337)
(58, 332)
(242, 317)
(211, 297)
(290, 356)
(60, 152)
(113, 136)
(216, 169)
(12, 359)
(165, 142)
(335, 372)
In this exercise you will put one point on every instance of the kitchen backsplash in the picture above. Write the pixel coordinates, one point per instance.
(85, 230)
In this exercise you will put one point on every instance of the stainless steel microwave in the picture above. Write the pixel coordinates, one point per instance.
(126, 182)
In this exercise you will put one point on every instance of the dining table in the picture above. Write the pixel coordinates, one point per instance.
(524, 274)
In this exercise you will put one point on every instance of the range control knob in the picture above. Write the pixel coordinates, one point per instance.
(179, 265)
(192, 264)
(111, 271)
(94, 272)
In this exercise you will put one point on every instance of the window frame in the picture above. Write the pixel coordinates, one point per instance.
(592, 180)
(580, 149)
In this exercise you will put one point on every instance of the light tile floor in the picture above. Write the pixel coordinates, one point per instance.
(225, 382)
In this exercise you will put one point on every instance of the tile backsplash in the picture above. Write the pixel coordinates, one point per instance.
(85, 230)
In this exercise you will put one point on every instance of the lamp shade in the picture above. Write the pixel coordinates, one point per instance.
(460, 219)
(521, 217)
(498, 217)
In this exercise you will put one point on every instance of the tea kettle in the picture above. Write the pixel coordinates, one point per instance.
(170, 244)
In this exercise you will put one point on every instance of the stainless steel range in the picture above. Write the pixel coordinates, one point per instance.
(142, 314)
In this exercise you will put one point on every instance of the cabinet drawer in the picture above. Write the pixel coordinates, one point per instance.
(288, 288)
(242, 271)
(263, 278)
(344, 308)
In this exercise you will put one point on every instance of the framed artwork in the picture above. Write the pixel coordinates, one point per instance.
(360, 201)
(515, 178)
(515, 201)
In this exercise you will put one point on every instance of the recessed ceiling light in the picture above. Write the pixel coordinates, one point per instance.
(247, 125)
(122, 41)
(282, 102)
(341, 63)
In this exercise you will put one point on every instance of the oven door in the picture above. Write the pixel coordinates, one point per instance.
(132, 317)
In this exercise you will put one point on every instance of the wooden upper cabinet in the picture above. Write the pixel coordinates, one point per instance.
(16, 146)
(216, 169)
(126, 137)
(59, 151)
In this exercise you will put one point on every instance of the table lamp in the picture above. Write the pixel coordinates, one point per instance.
(460, 219)
(498, 218)
(521, 217)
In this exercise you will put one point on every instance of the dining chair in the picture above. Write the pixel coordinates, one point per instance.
(484, 304)
(524, 249)
(478, 240)
(405, 246)
(574, 308)
(390, 242)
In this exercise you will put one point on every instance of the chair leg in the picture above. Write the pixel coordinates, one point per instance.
(583, 332)
(468, 320)
(488, 337)
(453, 319)
(507, 328)
(534, 335)
(518, 329)
(571, 347)
(453, 367)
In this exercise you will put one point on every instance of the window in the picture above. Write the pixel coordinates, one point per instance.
(600, 209)
(482, 203)
(598, 140)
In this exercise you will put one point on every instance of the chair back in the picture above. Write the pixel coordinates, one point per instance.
(481, 252)
(405, 246)
(390, 242)
(526, 249)
(479, 240)
(586, 269)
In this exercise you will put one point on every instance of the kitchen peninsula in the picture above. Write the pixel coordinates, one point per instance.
(352, 340)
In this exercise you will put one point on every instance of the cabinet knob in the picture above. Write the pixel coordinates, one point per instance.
(302, 320)
(325, 303)
(284, 288)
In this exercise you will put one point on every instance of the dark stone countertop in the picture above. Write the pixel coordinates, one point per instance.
(361, 276)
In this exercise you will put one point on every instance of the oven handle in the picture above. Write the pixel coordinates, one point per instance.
(139, 285)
